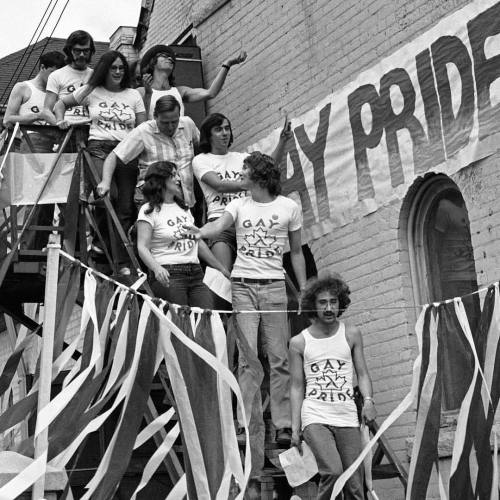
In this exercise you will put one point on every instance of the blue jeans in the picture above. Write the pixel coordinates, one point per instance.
(186, 287)
(335, 449)
(274, 329)
(43, 141)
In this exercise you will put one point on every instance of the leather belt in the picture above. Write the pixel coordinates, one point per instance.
(257, 280)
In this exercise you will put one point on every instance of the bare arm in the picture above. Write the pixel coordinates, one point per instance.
(144, 234)
(297, 257)
(48, 106)
(209, 258)
(140, 118)
(222, 186)
(199, 94)
(297, 386)
(146, 92)
(211, 229)
(364, 381)
(108, 169)
(16, 99)
(285, 135)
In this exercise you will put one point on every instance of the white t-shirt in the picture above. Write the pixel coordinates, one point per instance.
(65, 81)
(169, 244)
(173, 91)
(261, 233)
(112, 113)
(228, 167)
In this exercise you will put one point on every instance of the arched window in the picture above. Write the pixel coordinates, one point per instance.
(442, 265)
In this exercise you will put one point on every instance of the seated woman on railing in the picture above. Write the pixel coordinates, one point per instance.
(163, 245)
(114, 109)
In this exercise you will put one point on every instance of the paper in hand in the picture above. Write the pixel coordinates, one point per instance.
(298, 468)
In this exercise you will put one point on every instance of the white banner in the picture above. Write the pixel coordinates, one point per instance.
(431, 106)
(25, 174)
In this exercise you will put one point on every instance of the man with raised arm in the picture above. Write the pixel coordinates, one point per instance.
(157, 69)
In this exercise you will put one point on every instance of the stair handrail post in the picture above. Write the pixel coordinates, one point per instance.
(47, 352)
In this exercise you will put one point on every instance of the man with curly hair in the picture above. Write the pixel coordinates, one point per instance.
(323, 358)
(265, 221)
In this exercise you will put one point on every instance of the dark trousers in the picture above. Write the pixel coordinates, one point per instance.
(186, 287)
(121, 194)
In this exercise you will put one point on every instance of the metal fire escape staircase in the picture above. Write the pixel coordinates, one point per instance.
(25, 230)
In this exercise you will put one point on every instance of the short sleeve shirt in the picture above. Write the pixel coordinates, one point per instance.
(65, 81)
(169, 244)
(147, 143)
(112, 113)
(228, 167)
(261, 233)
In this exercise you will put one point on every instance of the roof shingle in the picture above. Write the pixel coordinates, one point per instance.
(8, 64)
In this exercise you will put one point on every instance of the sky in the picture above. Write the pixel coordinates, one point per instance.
(100, 18)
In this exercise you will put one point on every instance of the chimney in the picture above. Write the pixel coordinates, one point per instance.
(123, 40)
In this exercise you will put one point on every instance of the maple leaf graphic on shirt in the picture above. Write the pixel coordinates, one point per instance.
(259, 238)
(331, 381)
(117, 114)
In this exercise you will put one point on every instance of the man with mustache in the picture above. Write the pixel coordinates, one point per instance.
(323, 358)
(79, 50)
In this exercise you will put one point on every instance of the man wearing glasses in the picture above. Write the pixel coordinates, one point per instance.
(79, 50)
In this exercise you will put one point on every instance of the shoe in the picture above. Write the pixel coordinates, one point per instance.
(124, 271)
(283, 437)
(96, 249)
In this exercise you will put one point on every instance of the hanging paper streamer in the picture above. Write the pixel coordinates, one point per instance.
(443, 332)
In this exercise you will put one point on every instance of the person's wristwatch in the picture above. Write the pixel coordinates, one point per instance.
(369, 398)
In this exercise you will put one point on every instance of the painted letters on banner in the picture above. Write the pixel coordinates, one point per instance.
(431, 106)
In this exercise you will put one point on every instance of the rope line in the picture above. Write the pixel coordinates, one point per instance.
(297, 311)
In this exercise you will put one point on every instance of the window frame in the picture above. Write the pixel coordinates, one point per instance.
(423, 280)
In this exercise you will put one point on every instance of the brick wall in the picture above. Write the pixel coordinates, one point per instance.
(169, 19)
(299, 52)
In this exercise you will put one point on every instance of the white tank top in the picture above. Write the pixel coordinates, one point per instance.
(173, 91)
(328, 370)
(34, 104)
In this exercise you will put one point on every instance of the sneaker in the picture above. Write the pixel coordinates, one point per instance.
(283, 437)
(124, 271)
(96, 249)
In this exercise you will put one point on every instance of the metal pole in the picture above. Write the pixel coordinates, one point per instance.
(45, 379)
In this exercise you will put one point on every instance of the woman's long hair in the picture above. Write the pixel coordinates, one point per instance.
(150, 67)
(154, 187)
(98, 78)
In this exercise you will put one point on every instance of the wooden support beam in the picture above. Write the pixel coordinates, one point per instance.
(47, 354)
